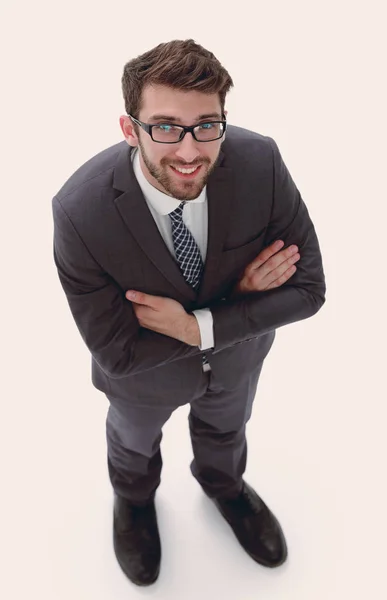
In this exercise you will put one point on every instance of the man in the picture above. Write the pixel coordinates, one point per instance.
(176, 249)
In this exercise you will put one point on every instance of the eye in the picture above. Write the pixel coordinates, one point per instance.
(206, 125)
(165, 127)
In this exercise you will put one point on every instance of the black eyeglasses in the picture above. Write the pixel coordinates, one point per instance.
(167, 133)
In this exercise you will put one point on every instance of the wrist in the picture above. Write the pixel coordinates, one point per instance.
(192, 332)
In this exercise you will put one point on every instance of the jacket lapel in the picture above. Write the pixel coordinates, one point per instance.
(139, 220)
(220, 194)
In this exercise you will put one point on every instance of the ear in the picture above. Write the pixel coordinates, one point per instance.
(225, 133)
(127, 127)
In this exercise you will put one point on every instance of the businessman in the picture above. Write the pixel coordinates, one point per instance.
(181, 249)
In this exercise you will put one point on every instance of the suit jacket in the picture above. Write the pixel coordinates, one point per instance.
(106, 242)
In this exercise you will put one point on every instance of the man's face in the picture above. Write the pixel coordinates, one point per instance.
(157, 160)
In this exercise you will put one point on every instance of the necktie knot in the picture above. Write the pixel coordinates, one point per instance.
(177, 214)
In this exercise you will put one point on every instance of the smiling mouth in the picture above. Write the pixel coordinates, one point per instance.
(188, 175)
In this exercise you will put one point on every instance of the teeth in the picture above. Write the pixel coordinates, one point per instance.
(186, 170)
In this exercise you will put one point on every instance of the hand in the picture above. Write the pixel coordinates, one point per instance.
(165, 316)
(269, 270)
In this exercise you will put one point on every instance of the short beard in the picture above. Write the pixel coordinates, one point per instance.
(171, 189)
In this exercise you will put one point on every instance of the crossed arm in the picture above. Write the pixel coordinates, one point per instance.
(109, 323)
(273, 266)
(165, 316)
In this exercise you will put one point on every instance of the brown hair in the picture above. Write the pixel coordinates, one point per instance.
(180, 64)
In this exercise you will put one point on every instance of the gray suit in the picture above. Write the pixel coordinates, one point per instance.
(106, 242)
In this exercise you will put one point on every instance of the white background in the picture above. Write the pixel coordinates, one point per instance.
(310, 75)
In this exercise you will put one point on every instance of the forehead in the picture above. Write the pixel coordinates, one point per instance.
(184, 105)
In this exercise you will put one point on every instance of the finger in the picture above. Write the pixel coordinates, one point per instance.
(265, 276)
(281, 280)
(264, 255)
(143, 313)
(141, 298)
(273, 262)
(272, 274)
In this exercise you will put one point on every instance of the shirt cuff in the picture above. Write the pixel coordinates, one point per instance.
(206, 327)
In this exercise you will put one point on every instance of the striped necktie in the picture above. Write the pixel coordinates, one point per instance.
(187, 254)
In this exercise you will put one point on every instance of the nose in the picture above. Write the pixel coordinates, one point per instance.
(187, 149)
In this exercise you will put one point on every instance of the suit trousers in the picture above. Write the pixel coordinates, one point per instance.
(217, 426)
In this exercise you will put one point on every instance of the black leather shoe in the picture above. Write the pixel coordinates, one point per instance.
(136, 540)
(255, 527)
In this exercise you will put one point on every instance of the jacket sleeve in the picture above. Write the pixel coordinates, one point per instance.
(104, 317)
(254, 314)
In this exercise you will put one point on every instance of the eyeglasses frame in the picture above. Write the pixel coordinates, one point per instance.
(185, 129)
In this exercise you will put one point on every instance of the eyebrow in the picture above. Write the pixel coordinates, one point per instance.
(176, 120)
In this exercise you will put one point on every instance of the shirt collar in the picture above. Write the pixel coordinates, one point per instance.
(162, 203)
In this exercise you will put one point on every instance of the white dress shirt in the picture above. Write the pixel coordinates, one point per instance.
(195, 217)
